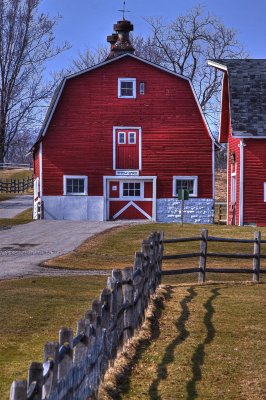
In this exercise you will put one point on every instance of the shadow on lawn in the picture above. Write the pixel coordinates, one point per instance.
(168, 357)
(122, 380)
(199, 354)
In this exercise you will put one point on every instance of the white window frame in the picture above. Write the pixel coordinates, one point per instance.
(36, 187)
(133, 80)
(185, 178)
(142, 88)
(129, 133)
(124, 135)
(131, 197)
(85, 193)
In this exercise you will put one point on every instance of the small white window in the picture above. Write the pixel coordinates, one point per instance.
(189, 183)
(265, 192)
(131, 189)
(121, 137)
(132, 137)
(75, 185)
(127, 88)
(142, 88)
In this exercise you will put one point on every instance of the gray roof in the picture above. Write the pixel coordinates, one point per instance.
(247, 91)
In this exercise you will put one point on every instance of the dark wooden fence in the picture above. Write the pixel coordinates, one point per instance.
(74, 367)
(16, 185)
(203, 255)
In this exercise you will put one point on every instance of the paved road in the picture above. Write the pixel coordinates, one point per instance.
(10, 208)
(24, 247)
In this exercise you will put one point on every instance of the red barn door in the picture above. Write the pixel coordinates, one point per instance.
(127, 149)
(130, 199)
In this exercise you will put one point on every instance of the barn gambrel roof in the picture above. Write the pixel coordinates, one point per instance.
(247, 94)
(58, 92)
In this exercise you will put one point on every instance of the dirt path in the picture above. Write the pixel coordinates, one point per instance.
(12, 207)
(23, 248)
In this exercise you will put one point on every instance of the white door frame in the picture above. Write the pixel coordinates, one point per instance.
(107, 179)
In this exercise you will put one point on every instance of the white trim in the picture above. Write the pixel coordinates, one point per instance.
(227, 186)
(116, 128)
(184, 178)
(217, 65)
(134, 137)
(131, 203)
(106, 192)
(130, 198)
(264, 192)
(241, 183)
(133, 80)
(65, 177)
(124, 136)
(41, 170)
(122, 197)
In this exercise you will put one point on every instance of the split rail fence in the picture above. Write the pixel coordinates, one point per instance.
(16, 185)
(74, 367)
(203, 255)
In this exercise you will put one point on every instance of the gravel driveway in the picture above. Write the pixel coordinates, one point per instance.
(12, 207)
(24, 247)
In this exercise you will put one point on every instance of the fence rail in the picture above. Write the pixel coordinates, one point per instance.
(14, 166)
(74, 367)
(204, 255)
(16, 185)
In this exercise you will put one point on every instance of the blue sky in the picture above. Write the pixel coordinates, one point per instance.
(86, 23)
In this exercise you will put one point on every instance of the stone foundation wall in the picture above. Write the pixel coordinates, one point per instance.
(196, 211)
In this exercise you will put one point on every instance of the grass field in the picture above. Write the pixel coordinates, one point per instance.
(116, 248)
(203, 342)
(32, 311)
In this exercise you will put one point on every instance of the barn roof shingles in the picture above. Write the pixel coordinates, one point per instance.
(247, 88)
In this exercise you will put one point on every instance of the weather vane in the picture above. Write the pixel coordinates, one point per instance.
(124, 10)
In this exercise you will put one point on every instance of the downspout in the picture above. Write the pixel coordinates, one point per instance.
(41, 182)
(213, 170)
(241, 183)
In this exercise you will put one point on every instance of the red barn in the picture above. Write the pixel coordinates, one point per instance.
(120, 139)
(243, 127)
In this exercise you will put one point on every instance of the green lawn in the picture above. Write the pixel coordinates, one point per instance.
(32, 312)
(116, 248)
(209, 343)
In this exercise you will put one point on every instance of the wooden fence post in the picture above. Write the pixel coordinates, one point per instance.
(127, 275)
(203, 256)
(35, 381)
(256, 259)
(51, 353)
(81, 347)
(18, 390)
(66, 340)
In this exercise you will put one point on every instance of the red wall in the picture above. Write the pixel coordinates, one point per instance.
(80, 136)
(254, 178)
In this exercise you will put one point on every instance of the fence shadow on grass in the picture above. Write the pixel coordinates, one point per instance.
(168, 357)
(199, 354)
(122, 380)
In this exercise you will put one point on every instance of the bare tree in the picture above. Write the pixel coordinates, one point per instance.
(26, 44)
(185, 45)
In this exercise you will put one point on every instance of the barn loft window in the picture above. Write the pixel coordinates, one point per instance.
(75, 185)
(189, 183)
(131, 189)
(127, 88)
